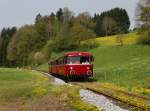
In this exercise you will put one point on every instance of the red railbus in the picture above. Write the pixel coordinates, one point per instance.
(73, 65)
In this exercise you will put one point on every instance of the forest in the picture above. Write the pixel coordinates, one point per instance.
(63, 31)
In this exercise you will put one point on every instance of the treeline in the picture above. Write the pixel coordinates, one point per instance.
(57, 32)
(115, 21)
(6, 35)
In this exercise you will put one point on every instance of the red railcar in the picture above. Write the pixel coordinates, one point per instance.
(73, 65)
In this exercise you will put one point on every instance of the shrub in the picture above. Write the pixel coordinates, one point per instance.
(144, 33)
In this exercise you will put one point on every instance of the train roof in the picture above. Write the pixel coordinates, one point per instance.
(74, 54)
(78, 54)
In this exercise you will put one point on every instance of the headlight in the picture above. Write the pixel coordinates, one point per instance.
(89, 72)
(88, 68)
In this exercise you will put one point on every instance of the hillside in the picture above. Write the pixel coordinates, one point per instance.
(124, 66)
(126, 39)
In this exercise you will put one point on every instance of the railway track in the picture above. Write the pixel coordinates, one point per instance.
(118, 101)
(127, 104)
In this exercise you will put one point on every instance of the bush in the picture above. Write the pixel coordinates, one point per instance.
(89, 44)
(37, 58)
(144, 33)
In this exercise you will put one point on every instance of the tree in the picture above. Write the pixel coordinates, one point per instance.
(119, 15)
(143, 20)
(59, 14)
(6, 35)
(44, 28)
(143, 13)
(108, 25)
(72, 39)
(52, 17)
(67, 15)
(81, 33)
(25, 41)
(38, 18)
(85, 19)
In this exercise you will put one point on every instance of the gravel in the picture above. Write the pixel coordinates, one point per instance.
(99, 100)
(58, 82)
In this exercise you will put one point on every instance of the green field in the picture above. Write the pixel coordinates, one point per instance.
(17, 83)
(26, 90)
(124, 66)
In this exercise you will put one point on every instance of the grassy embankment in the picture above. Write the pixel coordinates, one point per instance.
(126, 39)
(23, 90)
(122, 70)
(126, 66)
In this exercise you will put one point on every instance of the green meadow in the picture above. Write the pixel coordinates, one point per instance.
(21, 84)
(124, 66)
(21, 88)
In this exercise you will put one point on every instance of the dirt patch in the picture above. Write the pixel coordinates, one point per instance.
(46, 103)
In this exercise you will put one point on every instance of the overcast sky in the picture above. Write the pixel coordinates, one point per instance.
(21, 12)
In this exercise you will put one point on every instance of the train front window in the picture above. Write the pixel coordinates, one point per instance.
(85, 60)
(78, 60)
(73, 60)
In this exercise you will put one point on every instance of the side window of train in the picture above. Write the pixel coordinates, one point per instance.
(63, 60)
(56, 62)
(59, 62)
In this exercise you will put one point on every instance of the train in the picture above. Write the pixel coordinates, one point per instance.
(73, 65)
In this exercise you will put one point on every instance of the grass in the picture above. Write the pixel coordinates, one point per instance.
(21, 84)
(44, 67)
(26, 86)
(124, 66)
(127, 39)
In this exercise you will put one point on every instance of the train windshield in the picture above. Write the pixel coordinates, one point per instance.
(79, 60)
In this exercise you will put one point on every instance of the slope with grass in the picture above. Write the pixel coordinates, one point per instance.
(124, 66)
(126, 39)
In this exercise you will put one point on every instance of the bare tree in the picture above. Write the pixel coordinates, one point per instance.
(143, 13)
(143, 20)
(85, 20)
(108, 24)
(67, 15)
